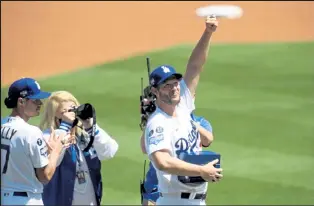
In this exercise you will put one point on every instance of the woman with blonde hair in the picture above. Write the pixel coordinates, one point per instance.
(77, 180)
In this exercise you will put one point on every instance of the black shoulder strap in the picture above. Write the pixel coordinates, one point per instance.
(142, 188)
(144, 170)
(92, 136)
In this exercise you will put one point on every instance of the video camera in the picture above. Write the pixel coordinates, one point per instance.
(83, 111)
(151, 98)
(146, 95)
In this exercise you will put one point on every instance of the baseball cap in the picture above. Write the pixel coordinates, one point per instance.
(161, 74)
(27, 88)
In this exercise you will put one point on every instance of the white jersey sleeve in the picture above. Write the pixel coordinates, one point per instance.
(105, 146)
(186, 101)
(38, 149)
(157, 137)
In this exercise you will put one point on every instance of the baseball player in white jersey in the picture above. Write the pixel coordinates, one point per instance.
(27, 161)
(170, 129)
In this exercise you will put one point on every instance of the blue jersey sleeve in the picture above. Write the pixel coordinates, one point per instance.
(206, 125)
(151, 180)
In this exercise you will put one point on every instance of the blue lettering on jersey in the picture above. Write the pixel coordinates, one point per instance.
(187, 144)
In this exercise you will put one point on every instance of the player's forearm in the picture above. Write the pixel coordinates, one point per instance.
(143, 144)
(200, 52)
(168, 164)
(47, 173)
(206, 137)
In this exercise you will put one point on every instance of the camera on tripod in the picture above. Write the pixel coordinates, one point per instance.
(151, 107)
(83, 111)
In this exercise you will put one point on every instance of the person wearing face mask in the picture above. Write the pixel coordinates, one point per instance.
(28, 161)
(77, 180)
(150, 192)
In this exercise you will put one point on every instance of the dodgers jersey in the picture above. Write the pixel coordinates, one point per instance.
(176, 134)
(22, 149)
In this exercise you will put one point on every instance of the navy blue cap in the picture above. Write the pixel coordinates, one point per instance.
(27, 88)
(161, 74)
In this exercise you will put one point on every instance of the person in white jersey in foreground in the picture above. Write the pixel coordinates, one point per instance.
(170, 129)
(27, 161)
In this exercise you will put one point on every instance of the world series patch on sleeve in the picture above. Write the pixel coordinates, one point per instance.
(199, 158)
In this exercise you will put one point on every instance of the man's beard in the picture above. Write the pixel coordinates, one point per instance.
(167, 100)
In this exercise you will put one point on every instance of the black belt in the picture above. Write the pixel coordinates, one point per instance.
(186, 195)
(21, 194)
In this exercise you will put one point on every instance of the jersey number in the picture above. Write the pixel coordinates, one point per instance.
(7, 148)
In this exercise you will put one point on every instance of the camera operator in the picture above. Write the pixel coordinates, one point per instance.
(77, 180)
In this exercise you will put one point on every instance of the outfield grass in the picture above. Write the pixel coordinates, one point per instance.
(259, 99)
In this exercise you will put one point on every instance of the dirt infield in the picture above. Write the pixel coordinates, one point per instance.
(39, 39)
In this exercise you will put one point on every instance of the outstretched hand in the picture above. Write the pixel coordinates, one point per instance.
(54, 143)
(211, 23)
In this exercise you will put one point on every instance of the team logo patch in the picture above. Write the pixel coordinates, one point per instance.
(151, 133)
(44, 152)
(24, 93)
(159, 129)
(156, 139)
(39, 142)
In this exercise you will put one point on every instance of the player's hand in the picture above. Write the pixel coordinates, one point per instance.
(211, 23)
(54, 143)
(69, 139)
(210, 173)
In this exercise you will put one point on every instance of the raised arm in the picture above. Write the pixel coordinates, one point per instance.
(199, 55)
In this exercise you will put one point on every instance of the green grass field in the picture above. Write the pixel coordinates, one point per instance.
(258, 97)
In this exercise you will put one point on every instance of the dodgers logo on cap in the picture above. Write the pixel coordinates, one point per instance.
(161, 74)
(165, 69)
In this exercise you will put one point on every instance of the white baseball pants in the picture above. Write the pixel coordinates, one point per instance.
(7, 198)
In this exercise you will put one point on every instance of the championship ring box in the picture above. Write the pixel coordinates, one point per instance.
(200, 158)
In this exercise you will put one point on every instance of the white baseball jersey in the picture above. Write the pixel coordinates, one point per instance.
(176, 134)
(22, 150)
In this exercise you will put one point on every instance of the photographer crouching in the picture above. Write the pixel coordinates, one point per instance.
(77, 179)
